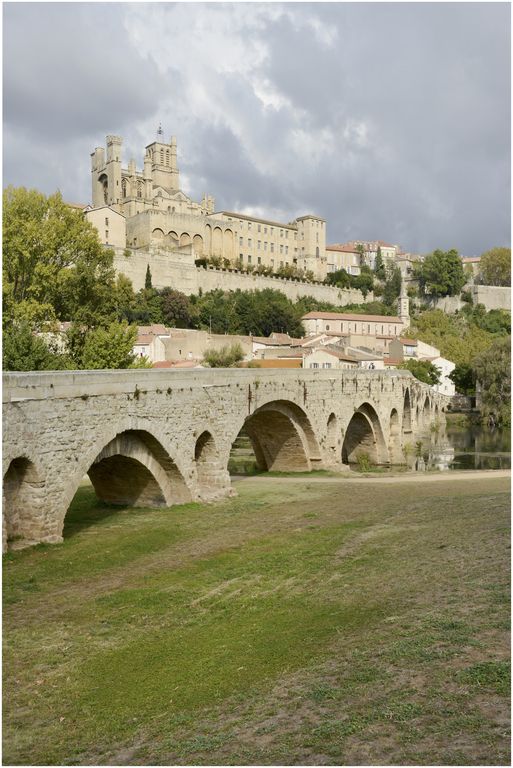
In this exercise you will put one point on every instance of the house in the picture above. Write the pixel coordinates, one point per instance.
(345, 323)
(326, 358)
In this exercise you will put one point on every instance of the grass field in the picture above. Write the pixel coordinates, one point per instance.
(301, 622)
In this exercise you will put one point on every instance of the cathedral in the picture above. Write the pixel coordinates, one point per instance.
(143, 210)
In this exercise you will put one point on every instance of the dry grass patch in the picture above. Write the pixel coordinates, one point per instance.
(299, 623)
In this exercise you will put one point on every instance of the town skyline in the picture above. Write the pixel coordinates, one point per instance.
(288, 116)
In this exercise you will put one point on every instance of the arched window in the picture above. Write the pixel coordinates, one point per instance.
(124, 188)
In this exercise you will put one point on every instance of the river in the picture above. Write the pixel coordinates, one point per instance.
(466, 447)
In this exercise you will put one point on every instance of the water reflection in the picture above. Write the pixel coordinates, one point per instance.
(458, 448)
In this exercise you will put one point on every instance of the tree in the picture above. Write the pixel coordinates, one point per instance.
(458, 337)
(124, 298)
(22, 350)
(493, 373)
(423, 370)
(262, 312)
(364, 282)
(392, 287)
(110, 347)
(177, 309)
(54, 266)
(495, 267)
(379, 266)
(147, 279)
(464, 379)
(441, 273)
(216, 311)
(360, 250)
(226, 357)
(340, 279)
(147, 307)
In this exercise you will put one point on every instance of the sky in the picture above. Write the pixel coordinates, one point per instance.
(389, 120)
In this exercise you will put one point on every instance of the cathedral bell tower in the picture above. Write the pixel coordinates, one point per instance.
(164, 168)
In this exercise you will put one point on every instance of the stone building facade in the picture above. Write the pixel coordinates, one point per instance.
(158, 213)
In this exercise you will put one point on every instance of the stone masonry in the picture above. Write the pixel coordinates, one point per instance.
(158, 438)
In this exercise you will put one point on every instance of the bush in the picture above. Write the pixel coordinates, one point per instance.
(364, 462)
(226, 357)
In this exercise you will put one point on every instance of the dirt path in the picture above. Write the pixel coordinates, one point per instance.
(413, 477)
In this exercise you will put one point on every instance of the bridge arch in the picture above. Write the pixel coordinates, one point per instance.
(23, 491)
(129, 465)
(394, 438)
(332, 437)
(424, 414)
(364, 435)
(407, 411)
(282, 437)
(208, 465)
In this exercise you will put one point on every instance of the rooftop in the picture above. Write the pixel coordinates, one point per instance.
(348, 316)
(244, 216)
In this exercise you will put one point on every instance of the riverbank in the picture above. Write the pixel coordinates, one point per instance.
(394, 478)
(310, 621)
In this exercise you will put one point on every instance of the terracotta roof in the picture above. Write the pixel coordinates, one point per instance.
(284, 353)
(156, 330)
(361, 354)
(342, 248)
(276, 340)
(348, 316)
(334, 353)
(254, 218)
(290, 362)
(409, 342)
(177, 364)
(144, 338)
(390, 361)
(282, 338)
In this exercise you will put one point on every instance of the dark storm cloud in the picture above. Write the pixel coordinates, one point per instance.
(390, 120)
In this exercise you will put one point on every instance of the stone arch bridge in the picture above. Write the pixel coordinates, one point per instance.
(158, 438)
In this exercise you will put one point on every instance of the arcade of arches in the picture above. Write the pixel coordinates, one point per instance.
(147, 451)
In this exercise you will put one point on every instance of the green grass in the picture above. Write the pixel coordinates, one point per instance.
(329, 623)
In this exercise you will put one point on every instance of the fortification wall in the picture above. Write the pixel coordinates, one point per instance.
(492, 296)
(168, 270)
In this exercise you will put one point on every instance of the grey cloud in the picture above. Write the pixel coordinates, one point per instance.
(430, 81)
(70, 68)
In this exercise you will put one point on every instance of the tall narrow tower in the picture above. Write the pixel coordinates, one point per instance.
(106, 173)
(403, 306)
(164, 168)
